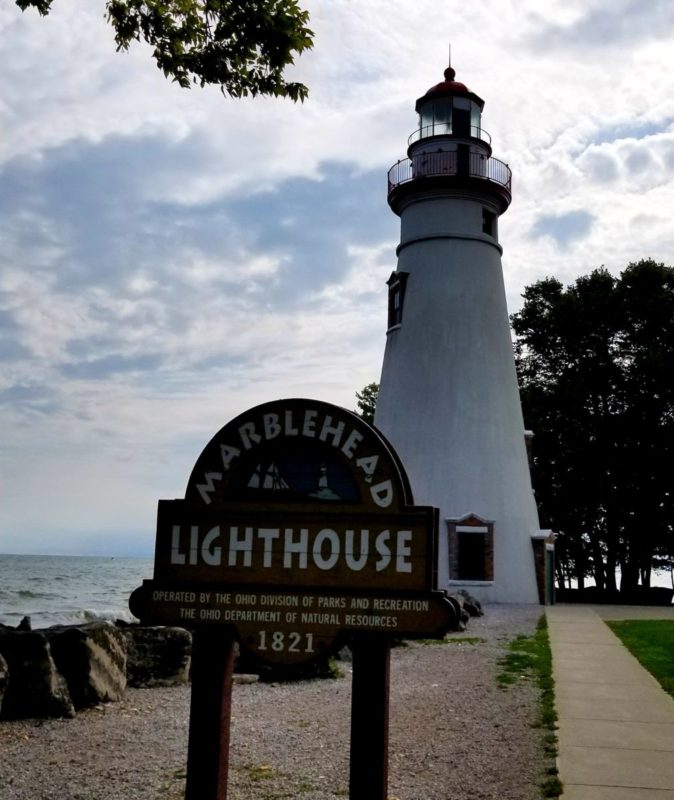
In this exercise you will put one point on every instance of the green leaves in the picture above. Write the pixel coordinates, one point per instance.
(43, 6)
(242, 47)
(367, 401)
(597, 385)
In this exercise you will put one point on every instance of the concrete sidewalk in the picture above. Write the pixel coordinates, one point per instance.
(616, 724)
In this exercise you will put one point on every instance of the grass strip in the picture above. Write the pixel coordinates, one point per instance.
(530, 658)
(449, 639)
(651, 642)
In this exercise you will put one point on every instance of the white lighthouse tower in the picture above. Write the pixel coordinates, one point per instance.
(448, 398)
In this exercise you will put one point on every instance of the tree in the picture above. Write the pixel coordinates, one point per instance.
(367, 401)
(597, 386)
(241, 46)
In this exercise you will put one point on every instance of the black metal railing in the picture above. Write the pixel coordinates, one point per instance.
(445, 129)
(447, 163)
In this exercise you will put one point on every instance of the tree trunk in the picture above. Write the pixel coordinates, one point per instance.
(629, 576)
(610, 584)
(646, 563)
(645, 576)
(611, 564)
(598, 566)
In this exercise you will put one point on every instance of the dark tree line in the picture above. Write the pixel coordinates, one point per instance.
(596, 369)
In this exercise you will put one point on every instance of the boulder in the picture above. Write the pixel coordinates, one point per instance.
(92, 659)
(35, 687)
(157, 656)
(471, 604)
(4, 680)
(461, 615)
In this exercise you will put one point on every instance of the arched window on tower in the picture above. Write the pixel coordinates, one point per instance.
(396, 297)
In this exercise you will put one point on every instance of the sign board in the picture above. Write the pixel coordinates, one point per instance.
(284, 547)
(294, 625)
(297, 525)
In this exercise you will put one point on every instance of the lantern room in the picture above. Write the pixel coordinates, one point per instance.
(449, 150)
(449, 109)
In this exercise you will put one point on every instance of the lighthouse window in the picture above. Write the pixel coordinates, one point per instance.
(443, 118)
(471, 548)
(488, 222)
(396, 296)
(435, 119)
(475, 114)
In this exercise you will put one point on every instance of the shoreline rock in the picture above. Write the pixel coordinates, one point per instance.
(35, 687)
(56, 671)
(157, 656)
(92, 659)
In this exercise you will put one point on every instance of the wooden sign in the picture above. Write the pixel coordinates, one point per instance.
(296, 501)
(292, 626)
(297, 528)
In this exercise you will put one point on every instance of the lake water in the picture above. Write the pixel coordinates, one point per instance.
(68, 589)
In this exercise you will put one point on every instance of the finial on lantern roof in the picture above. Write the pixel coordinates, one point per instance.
(450, 73)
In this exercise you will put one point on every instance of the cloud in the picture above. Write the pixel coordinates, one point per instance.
(628, 129)
(99, 368)
(603, 167)
(564, 228)
(156, 294)
(636, 164)
(610, 24)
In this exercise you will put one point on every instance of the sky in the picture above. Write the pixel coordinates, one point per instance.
(171, 257)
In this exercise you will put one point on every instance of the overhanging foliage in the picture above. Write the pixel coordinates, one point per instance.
(242, 47)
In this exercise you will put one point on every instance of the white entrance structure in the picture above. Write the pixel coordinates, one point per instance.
(448, 398)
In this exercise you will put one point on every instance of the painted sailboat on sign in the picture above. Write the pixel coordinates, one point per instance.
(270, 478)
(267, 477)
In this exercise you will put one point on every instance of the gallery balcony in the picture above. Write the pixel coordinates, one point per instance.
(449, 169)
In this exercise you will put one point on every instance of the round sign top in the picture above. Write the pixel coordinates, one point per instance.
(299, 452)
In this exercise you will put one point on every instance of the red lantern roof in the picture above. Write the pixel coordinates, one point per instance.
(449, 87)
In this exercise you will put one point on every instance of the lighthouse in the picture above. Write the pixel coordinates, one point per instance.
(448, 398)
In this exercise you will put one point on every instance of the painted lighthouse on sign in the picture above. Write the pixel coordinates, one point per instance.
(448, 398)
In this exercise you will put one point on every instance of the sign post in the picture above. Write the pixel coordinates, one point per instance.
(210, 714)
(297, 533)
(368, 766)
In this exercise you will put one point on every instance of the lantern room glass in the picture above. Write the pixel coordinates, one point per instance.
(439, 117)
(435, 118)
(475, 119)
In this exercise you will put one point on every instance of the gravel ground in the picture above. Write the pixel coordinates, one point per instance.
(454, 735)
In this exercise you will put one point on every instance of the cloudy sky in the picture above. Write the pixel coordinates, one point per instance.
(169, 258)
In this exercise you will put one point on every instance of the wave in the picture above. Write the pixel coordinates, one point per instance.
(67, 590)
(91, 615)
(45, 619)
(27, 593)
